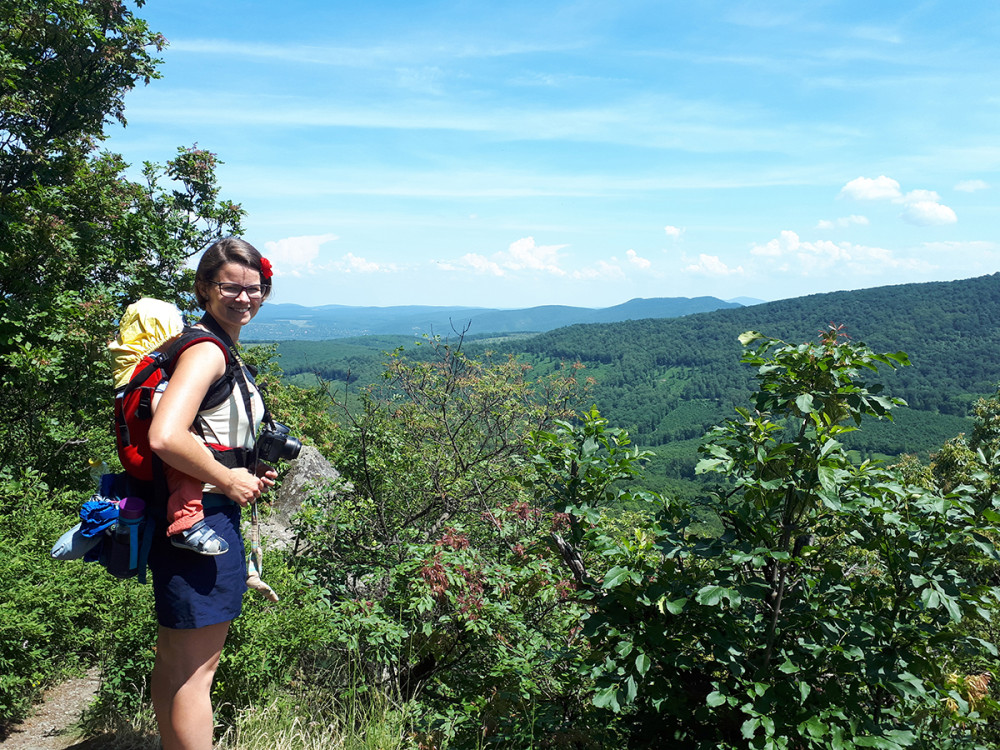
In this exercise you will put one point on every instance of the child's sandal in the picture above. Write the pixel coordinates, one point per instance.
(200, 539)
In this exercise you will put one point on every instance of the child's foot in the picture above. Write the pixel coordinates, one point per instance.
(201, 539)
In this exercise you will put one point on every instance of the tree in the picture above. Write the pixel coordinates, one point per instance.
(65, 67)
(78, 238)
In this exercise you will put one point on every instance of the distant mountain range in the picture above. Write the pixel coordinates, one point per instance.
(289, 322)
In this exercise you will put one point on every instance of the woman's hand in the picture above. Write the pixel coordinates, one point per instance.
(244, 487)
(267, 475)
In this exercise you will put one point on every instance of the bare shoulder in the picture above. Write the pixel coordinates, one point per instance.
(204, 361)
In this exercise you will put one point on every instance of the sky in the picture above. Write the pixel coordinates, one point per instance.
(587, 153)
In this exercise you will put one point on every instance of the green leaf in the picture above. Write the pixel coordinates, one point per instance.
(827, 476)
(805, 403)
(814, 727)
(710, 596)
(615, 576)
(607, 698)
(642, 664)
(930, 598)
(715, 698)
(674, 606)
(788, 667)
(749, 727)
(748, 337)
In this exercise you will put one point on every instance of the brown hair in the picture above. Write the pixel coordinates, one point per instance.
(228, 250)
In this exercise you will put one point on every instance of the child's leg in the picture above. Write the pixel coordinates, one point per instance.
(184, 507)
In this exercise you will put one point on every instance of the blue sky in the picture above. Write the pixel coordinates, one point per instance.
(586, 153)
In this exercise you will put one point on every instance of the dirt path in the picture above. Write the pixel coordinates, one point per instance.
(51, 726)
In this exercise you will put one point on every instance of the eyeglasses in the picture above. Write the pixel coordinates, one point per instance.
(232, 291)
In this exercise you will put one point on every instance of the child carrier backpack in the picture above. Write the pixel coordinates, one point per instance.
(151, 338)
(134, 400)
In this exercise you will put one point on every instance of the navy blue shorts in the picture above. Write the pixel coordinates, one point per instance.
(192, 590)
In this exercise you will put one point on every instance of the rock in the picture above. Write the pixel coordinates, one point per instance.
(308, 473)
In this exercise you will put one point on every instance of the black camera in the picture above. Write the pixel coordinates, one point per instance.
(275, 443)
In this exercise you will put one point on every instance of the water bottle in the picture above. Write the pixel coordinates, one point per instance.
(124, 558)
(97, 469)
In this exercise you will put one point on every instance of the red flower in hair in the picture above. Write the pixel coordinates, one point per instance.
(265, 268)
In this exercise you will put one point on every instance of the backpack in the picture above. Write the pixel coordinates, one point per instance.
(134, 400)
(152, 336)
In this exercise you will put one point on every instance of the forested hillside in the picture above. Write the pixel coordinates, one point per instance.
(668, 380)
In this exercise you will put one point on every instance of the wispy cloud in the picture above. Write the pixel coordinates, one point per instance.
(351, 263)
(843, 221)
(385, 55)
(603, 270)
(971, 186)
(650, 121)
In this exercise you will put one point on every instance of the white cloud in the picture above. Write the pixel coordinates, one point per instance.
(710, 265)
(929, 213)
(843, 221)
(868, 189)
(921, 207)
(295, 254)
(635, 259)
(822, 256)
(786, 242)
(522, 255)
(350, 263)
(674, 232)
(525, 254)
(603, 270)
(971, 186)
(479, 264)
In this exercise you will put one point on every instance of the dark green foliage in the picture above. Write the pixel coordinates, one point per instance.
(66, 67)
(78, 239)
(831, 610)
(54, 616)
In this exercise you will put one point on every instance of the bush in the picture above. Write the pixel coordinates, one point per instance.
(830, 611)
(52, 613)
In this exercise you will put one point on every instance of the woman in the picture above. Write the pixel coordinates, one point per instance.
(198, 596)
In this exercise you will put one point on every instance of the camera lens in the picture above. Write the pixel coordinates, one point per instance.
(290, 450)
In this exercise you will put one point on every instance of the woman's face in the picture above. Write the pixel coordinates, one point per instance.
(233, 312)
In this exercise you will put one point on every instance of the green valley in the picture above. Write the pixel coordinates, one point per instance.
(668, 380)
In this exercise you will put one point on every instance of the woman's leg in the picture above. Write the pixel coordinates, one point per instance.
(182, 683)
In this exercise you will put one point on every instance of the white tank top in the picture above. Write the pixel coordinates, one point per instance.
(228, 423)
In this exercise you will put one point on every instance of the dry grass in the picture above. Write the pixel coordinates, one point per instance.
(319, 725)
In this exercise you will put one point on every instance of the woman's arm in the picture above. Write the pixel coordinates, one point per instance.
(169, 433)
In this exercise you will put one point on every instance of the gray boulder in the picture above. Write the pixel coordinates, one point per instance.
(308, 473)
